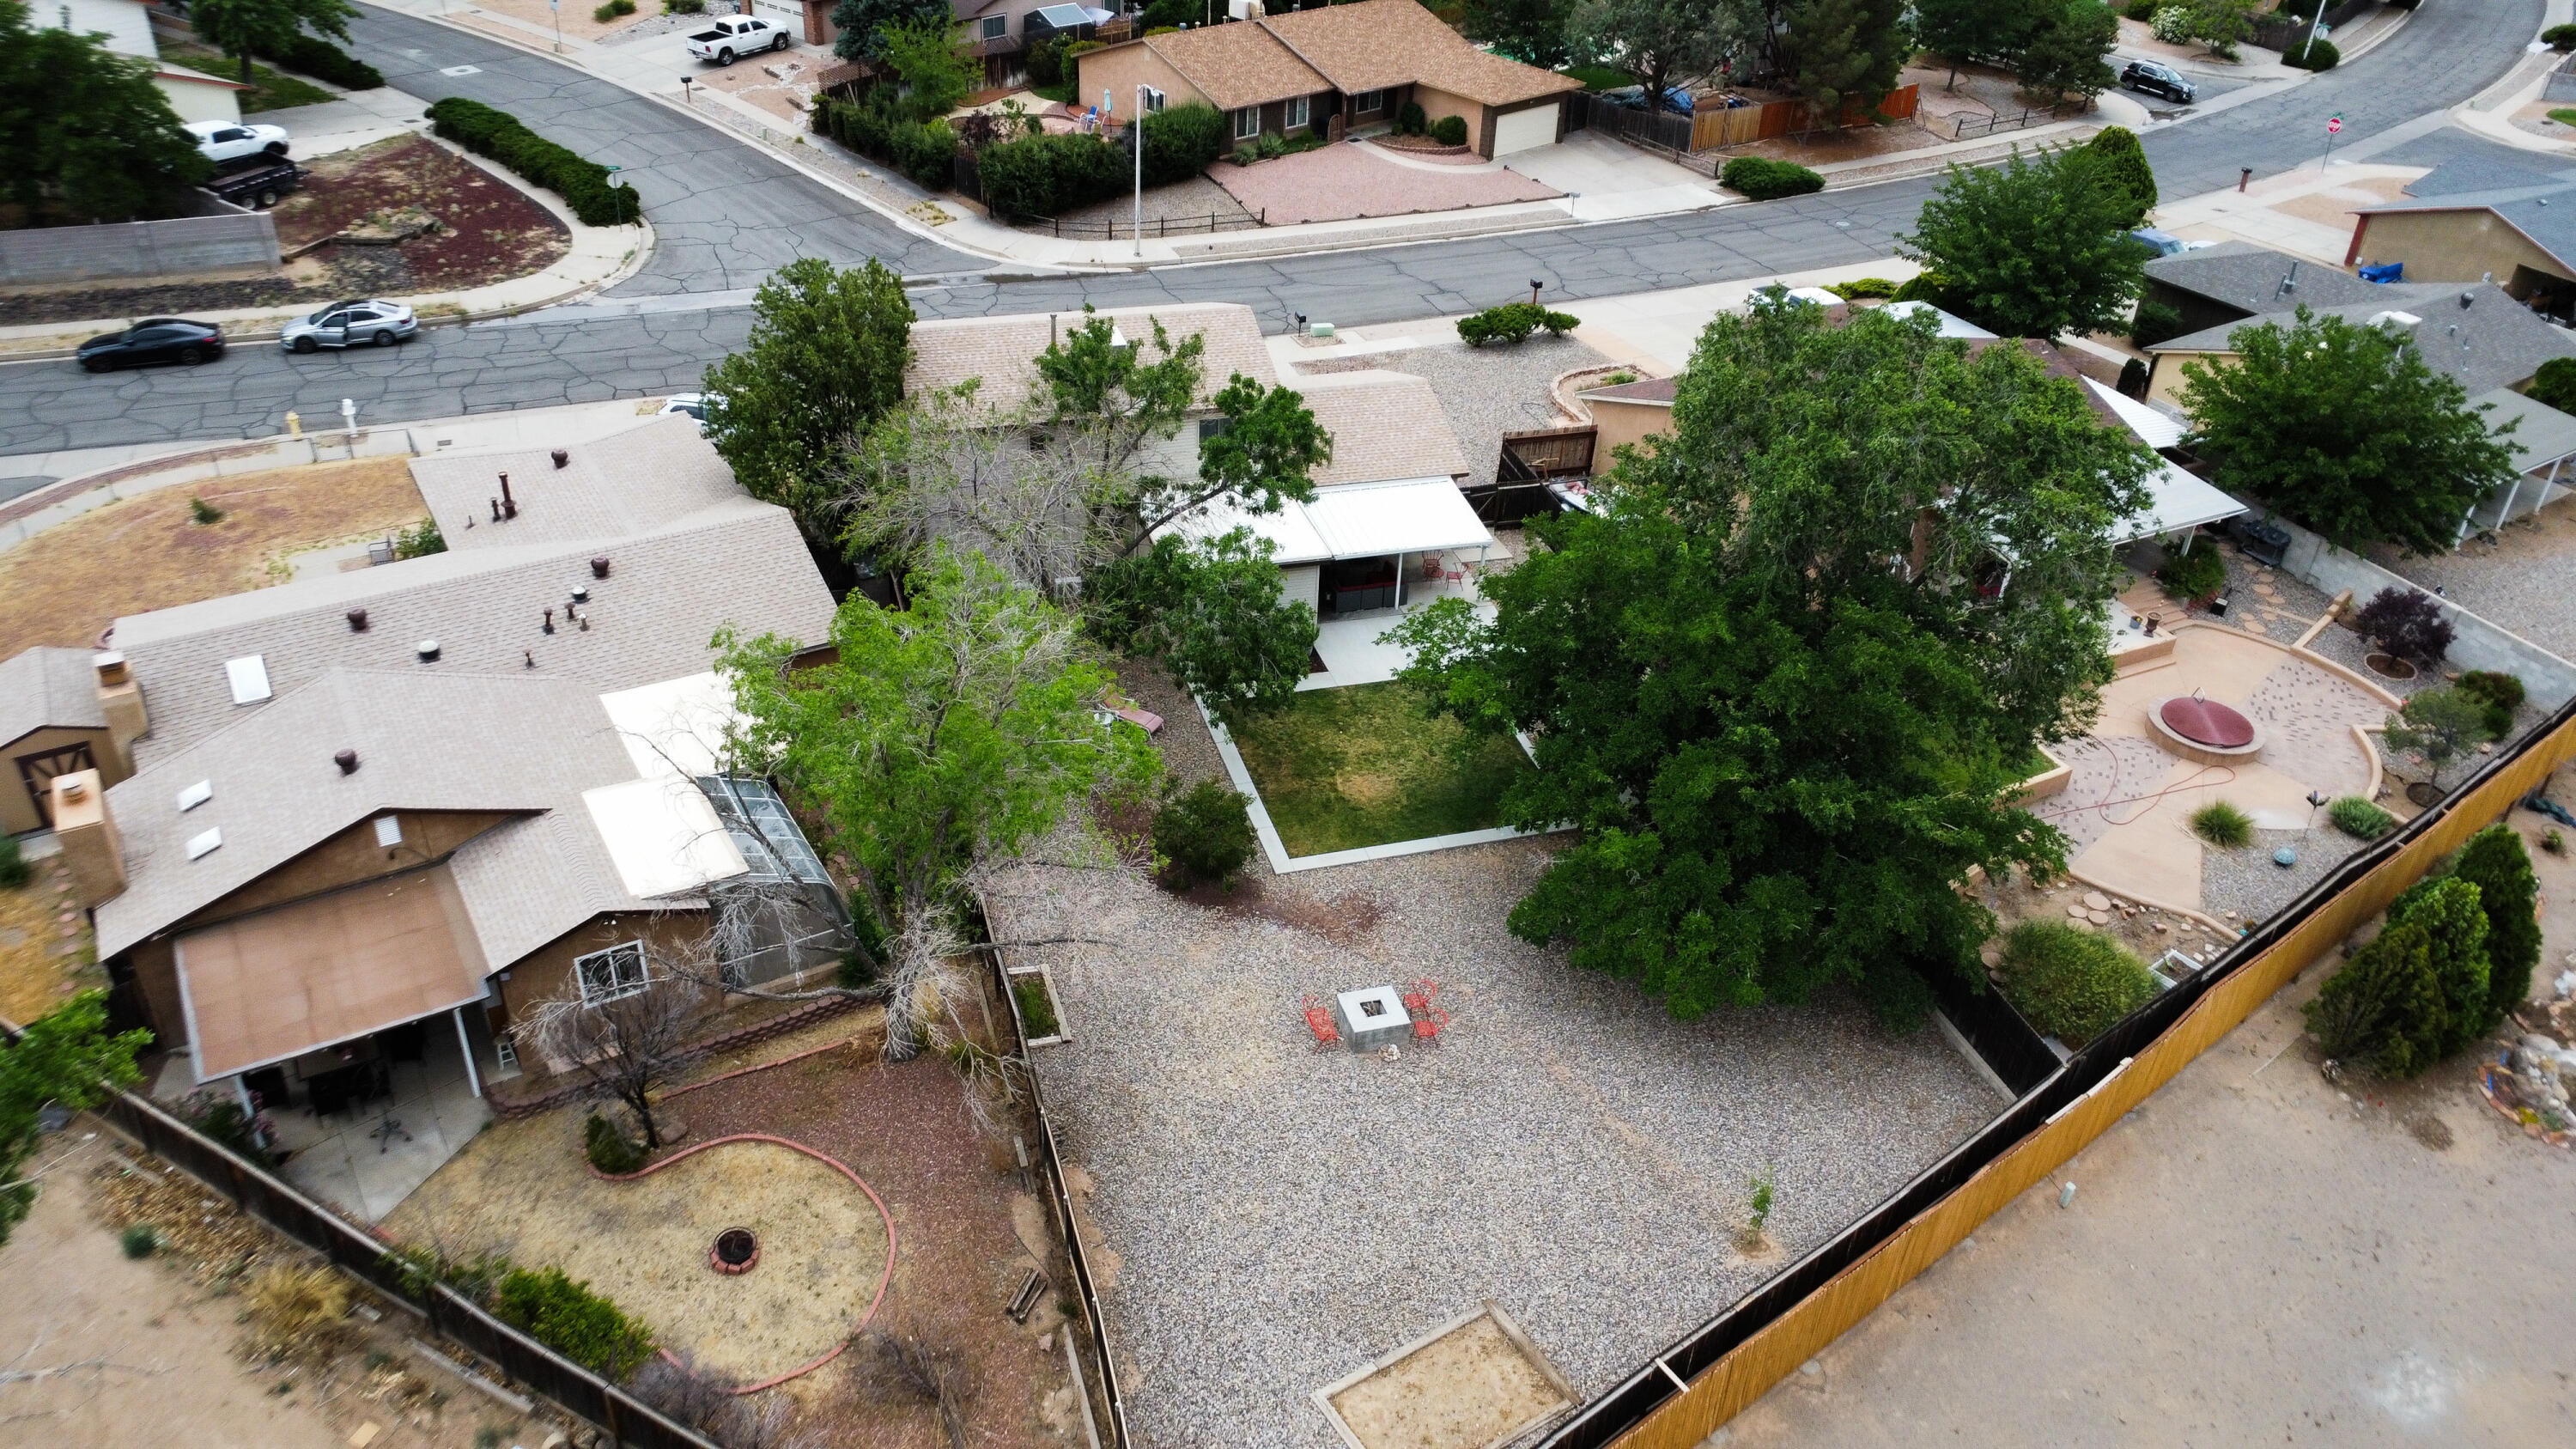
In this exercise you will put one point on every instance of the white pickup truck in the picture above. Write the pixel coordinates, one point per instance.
(738, 35)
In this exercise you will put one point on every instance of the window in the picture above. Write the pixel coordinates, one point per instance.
(1212, 427)
(1296, 113)
(1154, 101)
(610, 974)
(1366, 102)
(996, 26)
(1247, 123)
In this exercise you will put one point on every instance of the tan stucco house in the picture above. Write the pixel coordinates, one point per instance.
(2480, 219)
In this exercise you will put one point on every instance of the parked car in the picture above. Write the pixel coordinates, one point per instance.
(687, 404)
(154, 339)
(350, 324)
(234, 143)
(259, 186)
(2158, 80)
(1633, 98)
(2160, 243)
(738, 35)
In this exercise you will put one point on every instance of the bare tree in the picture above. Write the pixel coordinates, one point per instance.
(922, 1366)
(1007, 484)
(717, 1407)
(625, 1037)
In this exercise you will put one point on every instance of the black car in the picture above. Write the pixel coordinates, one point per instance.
(2158, 80)
(154, 339)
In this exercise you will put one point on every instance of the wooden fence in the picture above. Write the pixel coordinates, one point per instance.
(1714, 126)
(1685, 1393)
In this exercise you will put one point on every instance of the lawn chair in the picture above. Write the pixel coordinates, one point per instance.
(1454, 575)
(1428, 1019)
(1319, 1020)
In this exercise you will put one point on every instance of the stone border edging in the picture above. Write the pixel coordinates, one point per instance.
(827, 1160)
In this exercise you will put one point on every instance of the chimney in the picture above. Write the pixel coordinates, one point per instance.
(357, 621)
(562, 458)
(120, 698)
(347, 760)
(91, 850)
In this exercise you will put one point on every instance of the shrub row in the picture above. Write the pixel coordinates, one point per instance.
(500, 135)
(320, 59)
(1767, 180)
(567, 1317)
(1052, 174)
(1514, 322)
(926, 151)
(2070, 983)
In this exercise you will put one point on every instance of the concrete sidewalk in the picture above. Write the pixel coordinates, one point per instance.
(601, 256)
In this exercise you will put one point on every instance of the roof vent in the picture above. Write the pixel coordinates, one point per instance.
(581, 593)
(249, 676)
(347, 760)
(561, 457)
(196, 795)
(72, 789)
(2467, 300)
(201, 845)
(357, 621)
(599, 567)
(428, 651)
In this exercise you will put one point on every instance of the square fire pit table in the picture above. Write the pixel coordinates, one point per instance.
(1372, 1017)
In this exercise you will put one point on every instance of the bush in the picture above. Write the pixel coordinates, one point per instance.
(2384, 1007)
(573, 1321)
(2071, 983)
(1514, 322)
(926, 152)
(2196, 575)
(1043, 175)
(2407, 623)
(584, 185)
(202, 511)
(2509, 893)
(324, 61)
(612, 10)
(2222, 825)
(2154, 322)
(2560, 37)
(2321, 55)
(1409, 120)
(684, 7)
(420, 540)
(2122, 163)
(2360, 819)
(140, 1241)
(2499, 694)
(1450, 130)
(1767, 180)
(1182, 141)
(1864, 287)
(2143, 11)
(1205, 832)
(609, 1149)
(14, 870)
(2455, 935)
(2554, 841)
(2555, 384)
(2172, 24)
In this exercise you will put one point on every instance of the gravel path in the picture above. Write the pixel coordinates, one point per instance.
(1273, 1216)
(2248, 884)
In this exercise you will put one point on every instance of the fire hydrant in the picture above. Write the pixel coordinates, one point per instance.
(294, 426)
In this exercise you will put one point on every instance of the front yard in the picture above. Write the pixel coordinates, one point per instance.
(1340, 769)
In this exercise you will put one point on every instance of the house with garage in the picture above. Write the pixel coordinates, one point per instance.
(1334, 70)
(2480, 219)
(373, 817)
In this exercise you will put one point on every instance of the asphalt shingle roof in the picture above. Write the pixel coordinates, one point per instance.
(48, 688)
(2539, 204)
(1384, 425)
(2249, 278)
(621, 485)
(1375, 44)
(2493, 342)
(1003, 350)
(1237, 65)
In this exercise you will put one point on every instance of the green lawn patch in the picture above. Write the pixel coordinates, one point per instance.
(1344, 768)
(271, 90)
(1060, 94)
(1599, 77)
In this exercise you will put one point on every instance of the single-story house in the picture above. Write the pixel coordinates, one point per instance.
(59, 715)
(429, 794)
(127, 24)
(2215, 286)
(2477, 335)
(2480, 218)
(1334, 69)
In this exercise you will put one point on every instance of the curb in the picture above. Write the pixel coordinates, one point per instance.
(828, 1161)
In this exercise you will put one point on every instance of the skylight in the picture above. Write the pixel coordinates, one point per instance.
(249, 676)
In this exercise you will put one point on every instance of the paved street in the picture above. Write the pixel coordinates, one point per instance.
(727, 214)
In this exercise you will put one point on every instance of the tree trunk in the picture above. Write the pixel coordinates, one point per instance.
(245, 59)
(643, 1106)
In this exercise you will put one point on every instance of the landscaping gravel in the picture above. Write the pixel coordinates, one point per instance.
(2516, 581)
(2246, 882)
(1270, 1217)
(1193, 200)
(1486, 391)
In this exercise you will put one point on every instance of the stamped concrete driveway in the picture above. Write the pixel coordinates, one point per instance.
(1339, 183)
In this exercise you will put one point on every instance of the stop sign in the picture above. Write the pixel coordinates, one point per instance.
(2334, 125)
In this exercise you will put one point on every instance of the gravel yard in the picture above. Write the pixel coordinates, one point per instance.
(1186, 205)
(2517, 582)
(1486, 391)
(1270, 1217)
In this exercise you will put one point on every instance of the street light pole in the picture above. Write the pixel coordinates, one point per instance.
(1137, 124)
(556, 6)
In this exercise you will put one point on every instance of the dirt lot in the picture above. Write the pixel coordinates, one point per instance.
(155, 1348)
(2256, 1255)
(70, 582)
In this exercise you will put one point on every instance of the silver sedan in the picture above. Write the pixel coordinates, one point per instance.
(350, 324)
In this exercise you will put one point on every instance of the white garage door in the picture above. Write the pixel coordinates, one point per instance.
(1525, 130)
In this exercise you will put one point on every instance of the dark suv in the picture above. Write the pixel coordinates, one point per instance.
(2159, 80)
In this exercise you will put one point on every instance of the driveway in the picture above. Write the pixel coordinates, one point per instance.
(1340, 183)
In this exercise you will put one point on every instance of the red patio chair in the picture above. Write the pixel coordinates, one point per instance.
(1428, 1026)
(1417, 997)
(1319, 1020)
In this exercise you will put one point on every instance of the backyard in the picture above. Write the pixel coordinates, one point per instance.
(1339, 769)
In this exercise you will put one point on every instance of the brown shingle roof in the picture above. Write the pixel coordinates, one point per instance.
(1001, 350)
(1380, 43)
(1385, 426)
(1238, 65)
(48, 688)
(621, 485)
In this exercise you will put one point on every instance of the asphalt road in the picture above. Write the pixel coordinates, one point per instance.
(726, 214)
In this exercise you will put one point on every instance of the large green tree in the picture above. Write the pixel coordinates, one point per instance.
(2345, 429)
(1530, 31)
(863, 25)
(239, 28)
(2455, 934)
(1664, 41)
(2033, 248)
(1783, 678)
(1958, 30)
(934, 740)
(825, 360)
(2123, 163)
(64, 1058)
(2496, 863)
(2063, 53)
(2384, 1007)
(1847, 53)
(88, 135)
